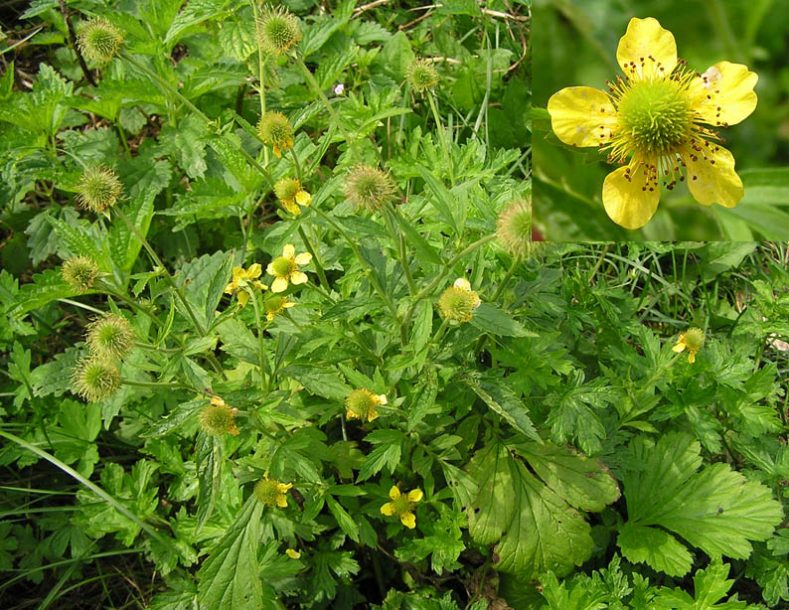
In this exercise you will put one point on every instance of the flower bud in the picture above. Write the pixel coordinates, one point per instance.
(80, 273)
(369, 187)
(110, 336)
(95, 379)
(99, 41)
(98, 189)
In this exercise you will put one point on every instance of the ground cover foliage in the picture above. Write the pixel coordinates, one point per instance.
(315, 361)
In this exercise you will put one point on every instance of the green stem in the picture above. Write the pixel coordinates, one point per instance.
(390, 213)
(261, 76)
(443, 136)
(265, 380)
(325, 100)
(296, 165)
(157, 384)
(169, 278)
(318, 266)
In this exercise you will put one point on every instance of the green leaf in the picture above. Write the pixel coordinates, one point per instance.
(209, 477)
(533, 520)
(385, 455)
(502, 399)
(425, 252)
(656, 548)
(186, 143)
(710, 587)
(320, 381)
(193, 14)
(441, 199)
(490, 319)
(229, 578)
(344, 520)
(203, 281)
(717, 509)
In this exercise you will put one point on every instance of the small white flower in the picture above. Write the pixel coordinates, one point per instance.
(339, 89)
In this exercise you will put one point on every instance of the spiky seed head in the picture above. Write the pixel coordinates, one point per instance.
(272, 492)
(278, 30)
(458, 302)
(421, 75)
(694, 339)
(98, 189)
(363, 404)
(80, 273)
(95, 378)
(217, 419)
(369, 187)
(275, 129)
(99, 41)
(110, 336)
(514, 228)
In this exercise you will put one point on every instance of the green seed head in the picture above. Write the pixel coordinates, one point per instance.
(656, 115)
(368, 187)
(95, 379)
(80, 273)
(457, 304)
(362, 404)
(286, 189)
(421, 75)
(110, 336)
(216, 420)
(278, 31)
(514, 228)
(275, 130)
(282, 266)
(99, 41)
(694, 339)
(98, 189)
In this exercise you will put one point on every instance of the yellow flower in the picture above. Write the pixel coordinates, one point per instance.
(243, 279)
(402, 505)
(285, 268)
(363, 404)
(292, 553)
(691, 340)
(272, 492)
(291, 195)
(654, 122)
(458, 302)
(275, 305)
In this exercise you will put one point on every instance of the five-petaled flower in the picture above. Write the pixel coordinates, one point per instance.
(244, 280)
(291, 195)
(285, 268)
(402, 505)
(691, 340)
(655, 122)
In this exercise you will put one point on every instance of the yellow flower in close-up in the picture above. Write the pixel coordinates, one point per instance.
(272, 492)
(402, 505)
(691, 340)
(244, 279)
(363, 404)
(655, 123)
(285, 268)
(275, 305)
(291, 195)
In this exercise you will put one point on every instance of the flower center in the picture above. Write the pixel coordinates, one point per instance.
(282, 266)
(656, 115)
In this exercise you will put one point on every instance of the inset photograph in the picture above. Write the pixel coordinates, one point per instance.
(661, 120)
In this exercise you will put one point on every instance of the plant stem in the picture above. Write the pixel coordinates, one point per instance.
(390, 213)
(318, 266)
(325, 100)
(261, 75)
(443, 136)
(265, 379)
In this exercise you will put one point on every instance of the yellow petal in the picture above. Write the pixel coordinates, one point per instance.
(691, 357)
(711, 177)
(415, 495)
(724, 94)
(580, 115)
(297, 277)
(388, 509)
(304, 258)
(243, 298)
(284, 487)
(408, 519)
(679, 347)
(282, 501)
(630, 203)
(292, 553)
(277, 152)
(394, 492)
(279, 285)
(372, 414)
(270, 269)
(254, 271)
(382, 399)
(230, 288)
(462, 283)
(289, 251)
(303, 198)
(646, 48)
(238, 273)
(291, 207)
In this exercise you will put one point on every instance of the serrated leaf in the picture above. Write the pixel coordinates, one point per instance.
(492, 508)
(655, 547)
(344, 520)
(717, 509)
(193, 14)
(229, 578)
(490, 319)
(503, 401)
(320, 381)
(203, 281)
